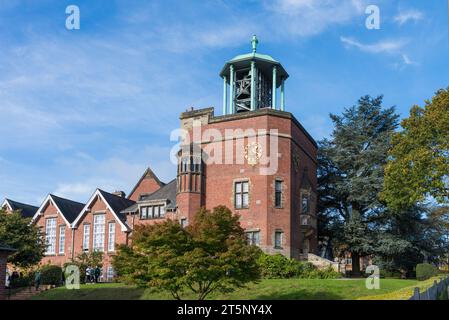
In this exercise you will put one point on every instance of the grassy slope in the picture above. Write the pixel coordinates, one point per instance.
(300, 289)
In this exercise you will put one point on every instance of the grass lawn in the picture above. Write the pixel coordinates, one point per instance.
(296, 289)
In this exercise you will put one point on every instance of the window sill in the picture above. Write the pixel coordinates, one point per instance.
(278, 248)
(242, 208)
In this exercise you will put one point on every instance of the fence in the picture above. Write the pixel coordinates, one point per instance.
(433, 292)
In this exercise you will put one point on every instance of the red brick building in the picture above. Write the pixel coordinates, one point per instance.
(55, 217)
(255, 158)
(5, 251)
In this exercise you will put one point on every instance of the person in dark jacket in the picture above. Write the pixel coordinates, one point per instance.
(97, 274)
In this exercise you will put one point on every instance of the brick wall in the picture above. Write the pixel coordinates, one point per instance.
(3, 256)
(98, 206)
(57, 258)
(262, 214)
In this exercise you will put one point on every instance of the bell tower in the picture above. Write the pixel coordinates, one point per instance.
(253, 80)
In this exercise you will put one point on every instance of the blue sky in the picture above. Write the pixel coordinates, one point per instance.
(94, 107)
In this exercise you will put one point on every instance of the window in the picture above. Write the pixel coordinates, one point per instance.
(143, 212)
(99, 220)
(305, 203)
(241, 194)
(111, 236)
(86, 237)
(162, 211)
(153, 212)
(61, 239)
(50, 235)
(305, 221)
(183, 222)
(278, 194)
(253, 237)
(278, 235)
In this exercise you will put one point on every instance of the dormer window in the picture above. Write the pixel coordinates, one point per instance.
(152, 212)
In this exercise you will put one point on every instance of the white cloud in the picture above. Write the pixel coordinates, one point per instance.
(384, 46)
(311, 17)
(411, 15)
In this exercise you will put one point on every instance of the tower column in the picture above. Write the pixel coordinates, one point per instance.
(273, 92)
(225, 95)
(282, 95)
(231, 89)
(253, 86)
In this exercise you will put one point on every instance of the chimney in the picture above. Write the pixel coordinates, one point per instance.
(119, 194)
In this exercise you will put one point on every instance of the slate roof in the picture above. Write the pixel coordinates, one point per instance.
(69, 209)
(167, 192)
(27, 210)
(117, 203)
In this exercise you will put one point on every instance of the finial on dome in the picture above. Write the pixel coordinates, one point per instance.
(254, 43)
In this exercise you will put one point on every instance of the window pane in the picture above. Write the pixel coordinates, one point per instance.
(238, 187)
(278, 186)
(111, 236)
(156, 212)
(257, 238)
(50, 235)
(278, 239)
(143, 212)
(86, 237)
(245, 200)
(99, 230)
(162, 211)
(238, 201)
(61, 239)
(245, 186)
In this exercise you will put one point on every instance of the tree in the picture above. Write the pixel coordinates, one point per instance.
(418, 234)
(350, 175)
(18, 233)
(209, 255)
(87, 259)
(419, 157)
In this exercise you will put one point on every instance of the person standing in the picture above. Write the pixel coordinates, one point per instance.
(97, 274)
(37, 280)
(87, 274)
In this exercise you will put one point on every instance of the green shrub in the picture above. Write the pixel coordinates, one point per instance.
(425, 271)
(51, 275)
(278, 266)
(22, 282)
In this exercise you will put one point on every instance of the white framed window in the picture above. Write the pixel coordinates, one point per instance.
(241, 191)
(143, 212)
(99, 230)
(183, 222)
(253, 238)
(111, 236)
(86, 237)
(50, 235)
(61, 239)
(162, 211)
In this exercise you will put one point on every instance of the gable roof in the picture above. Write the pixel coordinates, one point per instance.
(26, 210)
(147, 174)
(114, 203)
(69, 209)
(167, 192)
